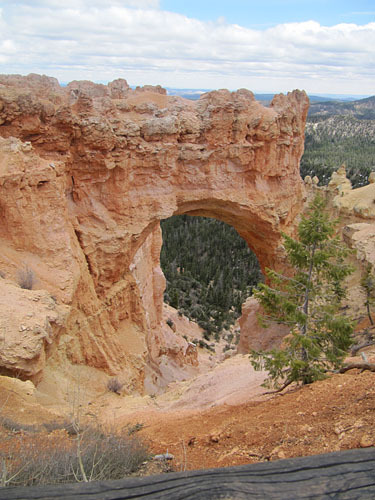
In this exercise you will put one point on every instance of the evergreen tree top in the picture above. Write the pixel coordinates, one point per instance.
(309, 302)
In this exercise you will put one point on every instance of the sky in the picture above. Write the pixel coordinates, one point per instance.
(321, 46)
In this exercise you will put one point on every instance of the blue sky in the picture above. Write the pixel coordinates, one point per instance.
(263, 14)
(324, 46)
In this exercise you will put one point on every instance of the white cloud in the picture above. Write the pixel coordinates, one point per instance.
(82, 4)
(105, 40)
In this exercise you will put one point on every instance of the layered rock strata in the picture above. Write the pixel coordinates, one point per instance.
(87, 172)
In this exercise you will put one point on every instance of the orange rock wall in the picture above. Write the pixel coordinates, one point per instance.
(88, 171)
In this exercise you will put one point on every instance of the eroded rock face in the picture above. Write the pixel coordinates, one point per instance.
(30, 323)
(361, 237)
(88, 171)
(253, 334)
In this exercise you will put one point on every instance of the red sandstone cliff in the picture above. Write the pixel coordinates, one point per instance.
(86, 174)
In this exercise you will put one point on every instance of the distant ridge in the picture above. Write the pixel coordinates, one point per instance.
(340, 132)
(362, 109)
(194, 94)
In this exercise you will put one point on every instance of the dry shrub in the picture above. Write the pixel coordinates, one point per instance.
(114, 385)
(134, 428)
(66, 425)
(71, 428)
(11, 425)
(50, 459)
(26, 278)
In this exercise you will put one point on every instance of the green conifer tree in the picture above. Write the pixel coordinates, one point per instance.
(308, 301)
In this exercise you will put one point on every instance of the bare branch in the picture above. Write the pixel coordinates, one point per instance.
(287, 383)
(359, 366)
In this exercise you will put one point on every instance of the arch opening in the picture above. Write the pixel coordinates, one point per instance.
(168, 356)
(209, 271)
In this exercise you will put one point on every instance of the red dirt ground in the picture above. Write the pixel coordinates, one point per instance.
(330, 415)
(334, 414)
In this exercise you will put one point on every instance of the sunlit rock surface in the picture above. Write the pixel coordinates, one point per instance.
(87, 172)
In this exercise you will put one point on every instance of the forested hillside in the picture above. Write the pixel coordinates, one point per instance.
(209, 270)
(363, 109)
(340, 132)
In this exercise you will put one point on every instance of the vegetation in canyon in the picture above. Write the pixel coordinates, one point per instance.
(368, 285)
(340, 132)
(57, 454)
(210, 271)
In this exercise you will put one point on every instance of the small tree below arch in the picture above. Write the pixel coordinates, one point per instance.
(308, 302)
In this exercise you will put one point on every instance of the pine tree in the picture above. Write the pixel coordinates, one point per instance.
(308, 301)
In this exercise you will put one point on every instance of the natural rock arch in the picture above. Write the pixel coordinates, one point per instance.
(105, 165)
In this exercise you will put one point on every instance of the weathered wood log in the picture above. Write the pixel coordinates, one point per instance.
(359, 366)
(343, 475)
(358, 347)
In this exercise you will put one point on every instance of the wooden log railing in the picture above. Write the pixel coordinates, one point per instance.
(343, 475)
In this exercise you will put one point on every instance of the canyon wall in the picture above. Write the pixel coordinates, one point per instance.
(355, 211)
(87, 172)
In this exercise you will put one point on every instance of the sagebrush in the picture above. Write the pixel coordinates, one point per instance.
(91, 455)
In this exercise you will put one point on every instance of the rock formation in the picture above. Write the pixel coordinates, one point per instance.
(87, 172)
(356, 211)
(253, 334)
(29, 324)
